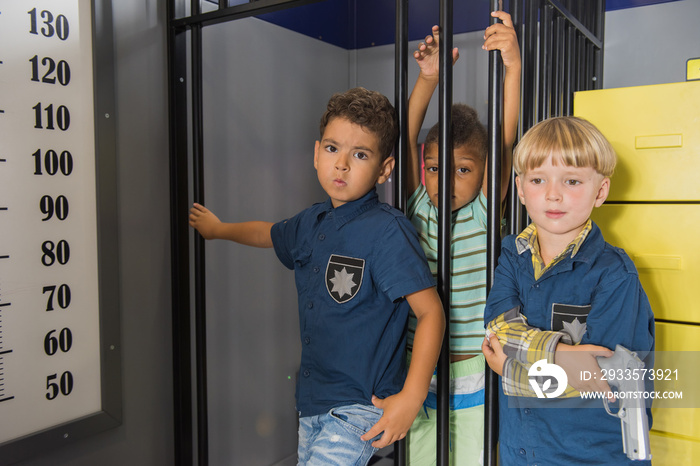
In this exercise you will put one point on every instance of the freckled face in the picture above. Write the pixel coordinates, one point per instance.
(559, 199)
(467, 180)
(348, 162)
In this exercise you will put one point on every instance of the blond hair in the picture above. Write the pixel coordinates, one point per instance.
(571, 141)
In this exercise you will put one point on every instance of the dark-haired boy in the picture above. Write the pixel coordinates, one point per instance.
(358, 266)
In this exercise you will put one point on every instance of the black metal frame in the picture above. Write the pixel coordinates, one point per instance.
(547, 89)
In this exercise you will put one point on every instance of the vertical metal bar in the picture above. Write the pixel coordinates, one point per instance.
(600, 33)
(545, 68)
(444, 268)
(199, 260)
(590, 66)
(580, 65)
(514, 210)
(493, 245)
(401, 150)
(179, 242)
(530, 65)
(569, 60)
(400, 102)
(558, 65)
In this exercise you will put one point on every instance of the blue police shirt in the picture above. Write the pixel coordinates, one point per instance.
(597, 292)
(352, 265)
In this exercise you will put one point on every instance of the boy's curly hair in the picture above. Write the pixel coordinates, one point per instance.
(467, 130)
(369, 109)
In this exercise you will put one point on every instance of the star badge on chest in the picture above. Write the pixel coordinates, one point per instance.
(344, 277)
(570, 319)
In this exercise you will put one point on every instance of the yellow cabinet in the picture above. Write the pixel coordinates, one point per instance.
(655, 132)
(675, 435)
(653, 213)
(662, 240)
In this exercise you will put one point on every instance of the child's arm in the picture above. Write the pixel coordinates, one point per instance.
(248, 233)
(401, 409)
(428, 58)
(514, 346)
(501, 36)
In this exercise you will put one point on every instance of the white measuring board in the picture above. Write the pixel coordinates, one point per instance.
(49, 280)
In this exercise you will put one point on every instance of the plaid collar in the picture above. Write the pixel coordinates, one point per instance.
(527, 239)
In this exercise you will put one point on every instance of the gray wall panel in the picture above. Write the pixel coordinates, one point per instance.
(265, 91)
(651, 44)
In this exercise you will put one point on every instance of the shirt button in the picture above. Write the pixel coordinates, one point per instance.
(310, 305)
(527, 411)
(522, 450)
(308, 373)
(317, 269)
(321, 236)
(307, 340)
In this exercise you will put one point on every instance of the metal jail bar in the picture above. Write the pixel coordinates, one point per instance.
(401, 150)
(493, 241)
(444, 263)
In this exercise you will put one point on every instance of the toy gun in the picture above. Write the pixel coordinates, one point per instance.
(632, 412)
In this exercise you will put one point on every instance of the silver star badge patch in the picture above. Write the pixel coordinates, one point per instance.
(344, 277)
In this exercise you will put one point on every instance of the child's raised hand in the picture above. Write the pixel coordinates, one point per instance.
(428, 57)
(501, 36)
(203, 220)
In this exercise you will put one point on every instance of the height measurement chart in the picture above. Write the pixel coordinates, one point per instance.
(49, 290)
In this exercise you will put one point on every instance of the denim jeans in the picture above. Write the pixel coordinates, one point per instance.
(333, 439)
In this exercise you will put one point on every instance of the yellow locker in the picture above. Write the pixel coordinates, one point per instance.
(653, 212)
(676, 430)
(655, 131)
(662, 240)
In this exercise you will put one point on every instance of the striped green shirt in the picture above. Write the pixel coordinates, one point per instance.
(468, 283)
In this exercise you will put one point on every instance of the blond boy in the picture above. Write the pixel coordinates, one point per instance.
(561, 293)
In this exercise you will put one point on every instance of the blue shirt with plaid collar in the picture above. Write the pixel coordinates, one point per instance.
(598, 288)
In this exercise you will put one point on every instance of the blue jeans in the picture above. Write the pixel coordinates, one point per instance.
(333, 439)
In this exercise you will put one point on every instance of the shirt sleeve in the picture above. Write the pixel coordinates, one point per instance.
(620, 299)
(415, 200)
(401, 267)
(479, 210)
(284, 239)
(524, 345)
